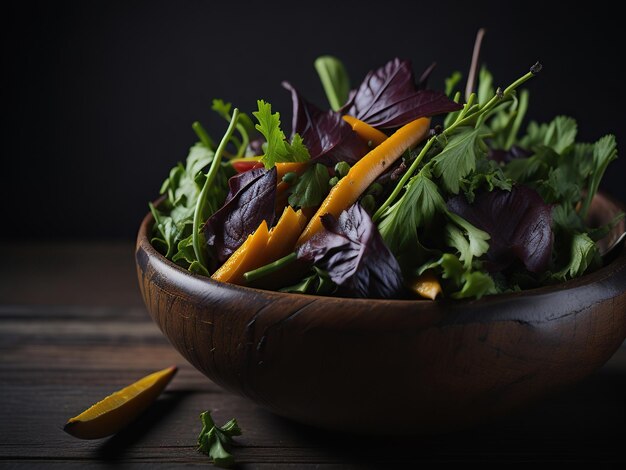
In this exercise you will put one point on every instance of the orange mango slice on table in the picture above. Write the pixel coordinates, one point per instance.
(119, 409)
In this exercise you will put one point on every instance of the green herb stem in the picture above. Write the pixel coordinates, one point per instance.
(245, 140)
(203, 135)
(464, 118)
(522, 107)
(269, 268)
(210, 177)
(396, 191)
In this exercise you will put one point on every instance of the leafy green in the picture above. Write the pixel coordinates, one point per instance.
(165, 241)
(476, 284)
(582, 254)
(488, 175)
(174, 216)
(451, 268)
(335, 80)
(559, 134)
(299, 152)
(458, 158)
(534, 168)
(311, 188)
(604, 152)
(216, 441)
(417, 208)
(470, 241)
(245, 127)
(277, 148)
(476, 162)
(463, 280)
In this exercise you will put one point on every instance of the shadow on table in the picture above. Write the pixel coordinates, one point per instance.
(116, 447)
(585, 423)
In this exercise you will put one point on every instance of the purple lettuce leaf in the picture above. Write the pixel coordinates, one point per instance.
(327, 136)
(353, 253)
(389, 98)
(519, 223)
(251, 200)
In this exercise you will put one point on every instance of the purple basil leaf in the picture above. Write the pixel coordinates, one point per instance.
(389, 98)
(237, 182)
(519, 223)
(250, 201)
(353, 253)
(327, 136)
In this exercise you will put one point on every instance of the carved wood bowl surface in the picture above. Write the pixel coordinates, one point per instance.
(368, 366)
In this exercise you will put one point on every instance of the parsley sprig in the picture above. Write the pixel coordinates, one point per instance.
(215, 441)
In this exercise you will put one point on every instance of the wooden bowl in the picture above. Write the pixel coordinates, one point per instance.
(389, 366)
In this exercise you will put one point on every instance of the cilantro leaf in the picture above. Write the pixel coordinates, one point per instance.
(559, 134)
(604, 152)
(458, 159)
(488, 175)
(311, 188)
(518, 223)
(216, 441)
(583, 251)
(451, 268)
(416, 208)
(534, 168)
(277, 148)
(463, 279)
(297, 149)
(471, 242)
(222, 108)
(166, 234)
(452, 81)
(476, 284)
(269, 126)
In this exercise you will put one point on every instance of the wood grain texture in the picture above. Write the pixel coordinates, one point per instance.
(371, 365)
(60, 354)
(48, 377)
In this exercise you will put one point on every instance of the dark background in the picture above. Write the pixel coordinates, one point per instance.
(98, 97)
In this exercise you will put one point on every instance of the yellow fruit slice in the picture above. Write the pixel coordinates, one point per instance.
(427, 285)
(119, 409)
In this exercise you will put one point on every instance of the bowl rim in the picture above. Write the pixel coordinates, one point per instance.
(606, 271)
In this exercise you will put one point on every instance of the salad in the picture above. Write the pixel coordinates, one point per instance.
(397, 191)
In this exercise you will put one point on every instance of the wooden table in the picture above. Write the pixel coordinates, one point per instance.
(73, 329)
